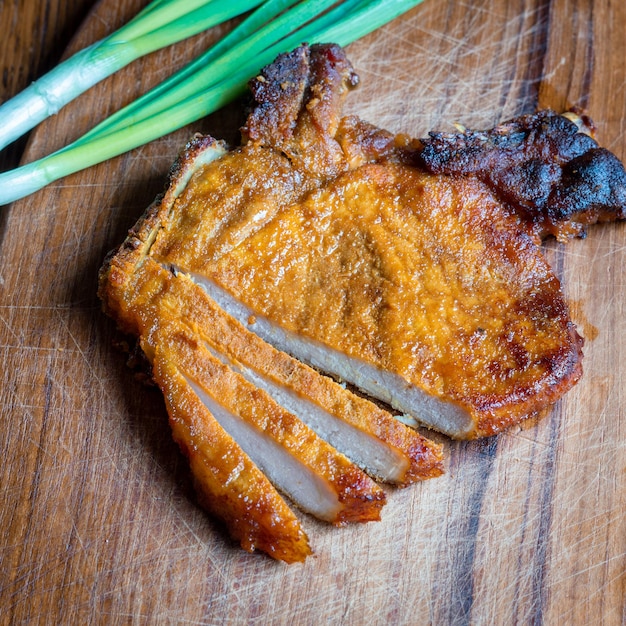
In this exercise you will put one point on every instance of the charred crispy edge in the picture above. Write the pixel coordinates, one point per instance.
(546, 166)
(567, 370)
(287, 88)
(278, 92)
(253, 510)
(331, 76)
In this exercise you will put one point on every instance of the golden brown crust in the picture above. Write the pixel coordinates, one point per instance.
(228, 483)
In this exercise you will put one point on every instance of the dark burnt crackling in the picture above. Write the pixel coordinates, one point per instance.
(283, 88)
(553, 175)
(278, 93)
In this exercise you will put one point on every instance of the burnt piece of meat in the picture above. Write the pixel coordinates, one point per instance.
(548, 167)
(322, 243)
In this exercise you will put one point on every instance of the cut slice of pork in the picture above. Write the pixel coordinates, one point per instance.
(312, 473)
(387, 386)
(228, 483)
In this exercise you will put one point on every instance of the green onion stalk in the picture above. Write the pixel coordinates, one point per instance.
(159, 25)
(211, 81)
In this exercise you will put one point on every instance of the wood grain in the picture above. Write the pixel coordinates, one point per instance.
(99, 522)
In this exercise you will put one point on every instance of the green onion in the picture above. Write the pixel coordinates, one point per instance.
(211, 67)
(208, 83)
(160, 24)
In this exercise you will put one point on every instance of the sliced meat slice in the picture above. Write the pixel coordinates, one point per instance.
(364, 432)
(228, 483)
(375, 457)
(312, 473)
(389, 387)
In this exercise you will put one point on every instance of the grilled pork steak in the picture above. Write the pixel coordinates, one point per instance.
(408, 268)
(244, 412)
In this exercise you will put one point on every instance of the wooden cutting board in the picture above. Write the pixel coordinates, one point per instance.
(98, 518)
